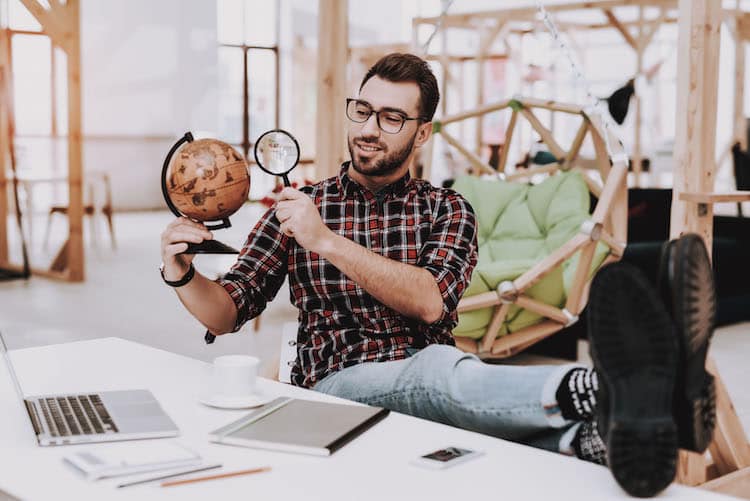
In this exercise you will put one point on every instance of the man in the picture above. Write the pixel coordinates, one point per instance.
(377, 262)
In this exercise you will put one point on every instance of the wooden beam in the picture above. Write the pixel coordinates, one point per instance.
(482, 110)
(5, 100)
(330, 140)
(476, 162)
(525, 12)
(514, 342)
(714, 198)
(544, 133)
(695, 134)
(622, 29)
(734, 484)
(76, 266)
(740, 123)
(508, 139)
(498, 316)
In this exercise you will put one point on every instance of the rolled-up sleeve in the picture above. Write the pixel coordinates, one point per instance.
(450, 254)
(260, 269)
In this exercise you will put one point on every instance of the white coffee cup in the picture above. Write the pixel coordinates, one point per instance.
(234, 375)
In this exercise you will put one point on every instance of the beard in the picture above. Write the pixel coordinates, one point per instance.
(390, 163)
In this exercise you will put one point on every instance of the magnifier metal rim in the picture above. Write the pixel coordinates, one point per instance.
(257, 160)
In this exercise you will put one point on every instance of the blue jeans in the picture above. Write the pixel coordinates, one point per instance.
(444, 384)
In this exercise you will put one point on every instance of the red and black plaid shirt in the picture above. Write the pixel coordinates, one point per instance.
(340, 324)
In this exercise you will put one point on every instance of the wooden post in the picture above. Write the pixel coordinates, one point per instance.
(740, 125)
(61, 22)
(695, 135)
(5, 82)
(76, 270)
(330, 140)
(639, 50)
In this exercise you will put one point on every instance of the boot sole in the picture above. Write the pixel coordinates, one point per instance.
(693, 302)
(635, 355)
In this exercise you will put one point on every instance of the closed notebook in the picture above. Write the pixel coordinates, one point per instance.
(128, 458)
(303, 426)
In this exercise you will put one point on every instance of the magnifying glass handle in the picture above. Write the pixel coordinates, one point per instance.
(286, 180)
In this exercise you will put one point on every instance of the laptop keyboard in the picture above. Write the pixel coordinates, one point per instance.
(82, 414)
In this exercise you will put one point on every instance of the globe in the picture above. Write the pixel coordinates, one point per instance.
(207, 180)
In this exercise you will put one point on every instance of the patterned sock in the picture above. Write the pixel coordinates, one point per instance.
(576, 395)
(588, 444)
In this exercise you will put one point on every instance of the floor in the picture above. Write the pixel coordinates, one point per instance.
(124, 296)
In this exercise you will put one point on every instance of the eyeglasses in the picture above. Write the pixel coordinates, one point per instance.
(389, 120)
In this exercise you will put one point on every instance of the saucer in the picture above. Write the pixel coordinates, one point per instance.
(235, 402)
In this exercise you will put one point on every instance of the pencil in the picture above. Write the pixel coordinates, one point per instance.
(215, 477)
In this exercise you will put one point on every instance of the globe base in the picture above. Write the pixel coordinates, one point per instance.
(210, 247)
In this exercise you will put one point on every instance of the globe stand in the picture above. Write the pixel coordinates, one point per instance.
(210, 247)
(207, 246)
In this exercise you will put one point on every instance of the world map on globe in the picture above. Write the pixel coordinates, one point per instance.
(208, 180)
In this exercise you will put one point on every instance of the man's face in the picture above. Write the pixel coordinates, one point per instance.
(375, 153)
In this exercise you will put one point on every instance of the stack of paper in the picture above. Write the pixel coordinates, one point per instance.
(128, 458)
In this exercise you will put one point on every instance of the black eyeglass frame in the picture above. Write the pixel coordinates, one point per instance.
(377, 115)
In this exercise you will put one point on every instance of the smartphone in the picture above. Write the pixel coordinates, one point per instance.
(447, 457)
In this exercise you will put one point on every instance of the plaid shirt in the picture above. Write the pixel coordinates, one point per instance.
(340, 324)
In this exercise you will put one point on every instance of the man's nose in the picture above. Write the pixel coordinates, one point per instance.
(370, 127)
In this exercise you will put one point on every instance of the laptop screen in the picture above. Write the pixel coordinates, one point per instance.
(9, 364)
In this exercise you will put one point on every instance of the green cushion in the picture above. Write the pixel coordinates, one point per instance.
(519, 225)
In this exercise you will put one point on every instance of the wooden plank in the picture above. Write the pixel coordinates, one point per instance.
(498, 316)
(734, 484)
(740, 124)
(551, 105)
(612, 188)
(330, 141)
(544, 133)
(574, 304)
(691, 468)
(482, 110)
(525, 11)
(479, 301)
(544, 309)
(476, 162)
(575, 147)
(695, 133)
(533, 171)
(715, 197)
(512, 343)
(617, 247)
(730, 451)
(52, 26)
(76, 263)
(537, 271)
(622, 29)
(501, 167)
(5, 100)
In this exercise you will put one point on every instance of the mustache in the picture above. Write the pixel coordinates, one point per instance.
(370, 141)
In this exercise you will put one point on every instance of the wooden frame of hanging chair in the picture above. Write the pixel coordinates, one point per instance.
(607, 224)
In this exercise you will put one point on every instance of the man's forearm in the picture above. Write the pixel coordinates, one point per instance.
(210, 303)
(408, 289)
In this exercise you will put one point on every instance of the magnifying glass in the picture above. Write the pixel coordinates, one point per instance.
(277, 153)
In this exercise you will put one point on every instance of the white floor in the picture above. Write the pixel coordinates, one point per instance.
(124, 296)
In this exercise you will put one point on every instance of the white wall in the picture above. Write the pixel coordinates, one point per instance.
(149, 69)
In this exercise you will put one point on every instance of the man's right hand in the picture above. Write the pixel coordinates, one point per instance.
(174, 240)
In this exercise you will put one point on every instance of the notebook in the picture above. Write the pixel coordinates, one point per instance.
(128, 458)
(303, 426)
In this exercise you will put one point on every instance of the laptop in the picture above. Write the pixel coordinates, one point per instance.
(91, 417)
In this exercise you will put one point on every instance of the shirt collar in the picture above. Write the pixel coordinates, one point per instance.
(349, 186)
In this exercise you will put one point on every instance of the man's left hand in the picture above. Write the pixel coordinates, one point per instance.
(300, 219)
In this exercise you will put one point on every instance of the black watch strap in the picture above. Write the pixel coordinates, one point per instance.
(184, 280)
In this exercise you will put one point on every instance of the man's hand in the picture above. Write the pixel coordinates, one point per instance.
(174, 240)
(301, 220)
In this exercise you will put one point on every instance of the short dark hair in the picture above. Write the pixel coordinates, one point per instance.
(398, 67)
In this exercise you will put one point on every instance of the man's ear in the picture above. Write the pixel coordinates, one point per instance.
(423, 134)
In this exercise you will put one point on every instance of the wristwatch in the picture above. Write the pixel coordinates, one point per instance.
(178, 283)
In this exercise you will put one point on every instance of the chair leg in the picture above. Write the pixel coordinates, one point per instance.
(108, 214)
(45, 245)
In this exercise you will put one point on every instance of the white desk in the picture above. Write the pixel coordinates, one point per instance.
(374, 466)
